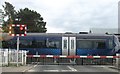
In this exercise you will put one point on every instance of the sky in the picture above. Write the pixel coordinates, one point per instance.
(72, 15)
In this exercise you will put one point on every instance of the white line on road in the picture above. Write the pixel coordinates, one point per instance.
(66, 70)
(105, 67)
(71, 68)
(35, 66)
(31, 70)
(113, 70)
(28, 69)
(51, 70)
(98, 66)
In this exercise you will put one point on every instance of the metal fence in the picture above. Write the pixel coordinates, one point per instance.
(9, 57)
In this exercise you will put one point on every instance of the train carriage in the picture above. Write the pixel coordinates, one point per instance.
(66, 44)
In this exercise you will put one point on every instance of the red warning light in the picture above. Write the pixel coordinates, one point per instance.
(21, 28)
(17, 30)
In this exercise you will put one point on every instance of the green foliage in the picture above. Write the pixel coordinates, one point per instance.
(31, 18)
(9, 10)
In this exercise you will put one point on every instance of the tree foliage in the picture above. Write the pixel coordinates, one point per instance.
(10, 13)
(9, 10)
(31, 18)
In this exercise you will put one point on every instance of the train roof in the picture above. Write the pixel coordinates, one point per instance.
(5, 36)
(61, 34)
(64, 34)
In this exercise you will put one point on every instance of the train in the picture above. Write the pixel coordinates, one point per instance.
(65, 44)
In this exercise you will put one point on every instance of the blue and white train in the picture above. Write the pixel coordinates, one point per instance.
(66, 44)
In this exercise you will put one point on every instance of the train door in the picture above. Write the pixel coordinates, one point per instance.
(72, 45)
(64, 45)
(68, 45)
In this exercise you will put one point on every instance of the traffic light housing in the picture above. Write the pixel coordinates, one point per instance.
(17, 30)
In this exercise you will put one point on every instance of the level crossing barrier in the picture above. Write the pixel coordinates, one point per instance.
(84, 60)
(64, 56)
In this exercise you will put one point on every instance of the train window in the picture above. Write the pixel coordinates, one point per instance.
(84, 44)
(25, 43)
(99, 44)
(65, 44)
(32, 43)
(40, 44)
(72, 44)
(53, 44)
(12, 44)
(110, 44)
(91, 44)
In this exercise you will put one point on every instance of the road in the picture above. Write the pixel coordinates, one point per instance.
(71, 68)
(64, 69)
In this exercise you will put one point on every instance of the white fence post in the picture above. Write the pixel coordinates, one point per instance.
(25, 56)
(10, 57)
(0, 61)
(118, 61)
(0, 58)
(6, 56)
(22, 57)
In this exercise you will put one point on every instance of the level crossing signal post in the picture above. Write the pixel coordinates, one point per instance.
(17, 30)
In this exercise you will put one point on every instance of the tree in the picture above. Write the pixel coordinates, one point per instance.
(10, 12)
(31, 18)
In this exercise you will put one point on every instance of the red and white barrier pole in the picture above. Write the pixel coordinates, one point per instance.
(64, 56)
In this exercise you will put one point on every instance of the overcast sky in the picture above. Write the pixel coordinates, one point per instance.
(72, 15)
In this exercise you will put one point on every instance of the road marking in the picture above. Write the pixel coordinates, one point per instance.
(35, 66)
(51, 70)
(110, 69)
(105, 67)
(98, 66)
(66, 70)
(31, 70)
(71, 68)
